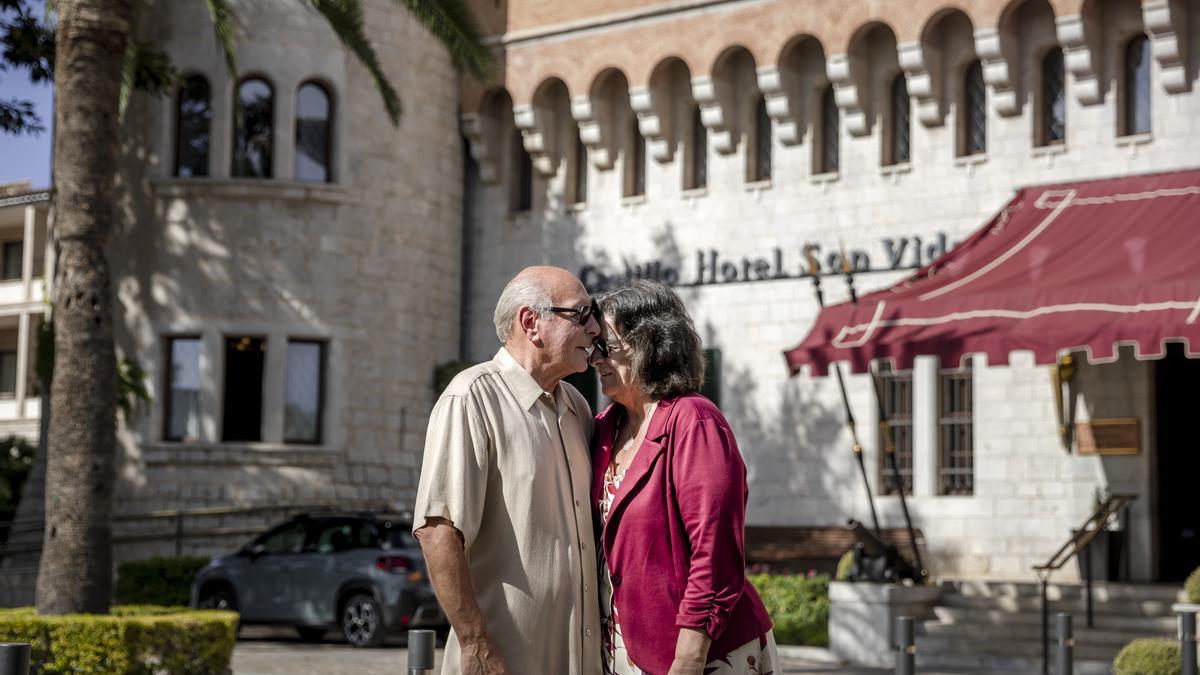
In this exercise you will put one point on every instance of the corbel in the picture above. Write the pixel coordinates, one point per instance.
(1166, 22)
(849, 86)
(536, 137)
(783, 106)
(716, 112)
(922, 68)
(595, 130)
(999, 70)
(477, 132)
(654, 121)
(1077, 37)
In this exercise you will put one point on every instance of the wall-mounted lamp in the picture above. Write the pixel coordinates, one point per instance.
(1060, 375)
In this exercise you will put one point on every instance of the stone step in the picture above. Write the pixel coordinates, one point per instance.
(1033, 632)
(994, 617)
(983, 663)
(1101, 590)
(1124, 607)
(999, 647)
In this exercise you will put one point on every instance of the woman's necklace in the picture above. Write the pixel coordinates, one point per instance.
(626, 449)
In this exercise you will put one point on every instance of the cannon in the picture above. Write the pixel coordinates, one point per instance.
(876, 561)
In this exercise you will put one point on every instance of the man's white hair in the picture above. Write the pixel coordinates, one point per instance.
(525, 290)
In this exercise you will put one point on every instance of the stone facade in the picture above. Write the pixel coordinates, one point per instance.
(368, 264)
(395, 265)
(603, 73)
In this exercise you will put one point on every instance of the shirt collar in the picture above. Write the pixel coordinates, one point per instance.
(524, 387)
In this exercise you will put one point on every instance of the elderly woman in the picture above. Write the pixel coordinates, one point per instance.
(669, 489)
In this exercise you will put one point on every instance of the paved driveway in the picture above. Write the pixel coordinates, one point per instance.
(271, 651)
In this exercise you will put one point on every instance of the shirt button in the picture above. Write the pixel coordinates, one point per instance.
(587, 632)
(576, 502)
(586, 588)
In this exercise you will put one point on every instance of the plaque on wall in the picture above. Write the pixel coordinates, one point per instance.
(1117, 436)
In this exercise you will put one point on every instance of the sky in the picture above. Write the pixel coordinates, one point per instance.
(27, 157)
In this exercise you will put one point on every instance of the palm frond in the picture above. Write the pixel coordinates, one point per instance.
(346, 20)
(451, 22)
(223, 25)
(129, 61)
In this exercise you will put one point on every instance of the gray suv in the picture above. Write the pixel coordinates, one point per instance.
(362, 573)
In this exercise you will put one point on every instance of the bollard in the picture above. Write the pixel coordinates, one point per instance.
(906, 649)
(14, 658)
(1066, 644)
(1187, 642)
(420, 652)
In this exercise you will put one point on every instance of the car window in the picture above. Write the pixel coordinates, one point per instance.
(286, 539)
(342, 535)
(396, 535)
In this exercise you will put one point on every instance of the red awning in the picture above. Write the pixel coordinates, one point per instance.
(1076, 266)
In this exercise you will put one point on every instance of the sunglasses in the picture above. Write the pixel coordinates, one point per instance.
(605, 347)
(578, 315)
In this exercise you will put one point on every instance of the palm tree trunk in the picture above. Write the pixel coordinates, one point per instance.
(75, 574)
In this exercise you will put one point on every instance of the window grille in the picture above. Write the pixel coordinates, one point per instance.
(1054, 98)
(829, 132)
(254, 129)
(762, 141)
(1137, 86)
(956, 440)
(897, 389)
(193, 116)
(901, 121)
(975, 109)
(314, 117)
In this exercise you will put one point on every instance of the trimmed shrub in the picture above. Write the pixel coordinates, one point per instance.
(156, 581)
(798, 605)
(1192, 586)
(1149, 656)
(132, 640)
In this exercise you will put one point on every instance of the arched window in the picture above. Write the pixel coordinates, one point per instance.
(193, 116)
(699, 152)
(973, 111)
(314, 127)
(581, 170)
(254, 113)
(901, 121)
(635, 169)
(828, 157)
(1054, 98)
(522, 175)
(762, 142)
(1137, 86)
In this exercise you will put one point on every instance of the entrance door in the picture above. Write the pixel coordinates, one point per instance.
(1178, 390)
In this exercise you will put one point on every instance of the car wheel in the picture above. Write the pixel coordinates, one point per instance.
(218, 597)
(362, 621)
(310, 633)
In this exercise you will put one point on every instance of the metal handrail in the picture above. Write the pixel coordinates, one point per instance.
(179, 533)
(1078, 543)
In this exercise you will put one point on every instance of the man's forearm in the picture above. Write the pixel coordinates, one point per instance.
(451, 578)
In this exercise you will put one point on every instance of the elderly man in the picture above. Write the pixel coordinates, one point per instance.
(503, 512)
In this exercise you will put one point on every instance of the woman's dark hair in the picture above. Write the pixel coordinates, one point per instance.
(666, 353)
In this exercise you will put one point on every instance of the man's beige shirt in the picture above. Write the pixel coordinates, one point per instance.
(508, 464)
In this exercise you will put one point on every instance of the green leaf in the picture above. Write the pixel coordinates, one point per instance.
(17, 117)
(451, 22)
(346, 20)
(223, 24)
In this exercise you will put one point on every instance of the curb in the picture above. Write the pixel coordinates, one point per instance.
(816, 654)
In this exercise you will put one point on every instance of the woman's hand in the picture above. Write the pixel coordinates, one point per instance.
(691, 652)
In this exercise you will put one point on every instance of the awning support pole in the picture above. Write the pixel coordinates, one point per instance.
(889, 451)
(856, 447)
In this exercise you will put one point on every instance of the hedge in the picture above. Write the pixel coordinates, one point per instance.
(798, 605)
(1149, 656)
(133, 640)
(156, 581)
(1192, 586)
